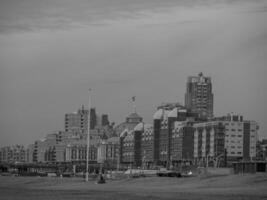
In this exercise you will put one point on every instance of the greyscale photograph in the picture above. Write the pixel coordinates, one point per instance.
(133, 99)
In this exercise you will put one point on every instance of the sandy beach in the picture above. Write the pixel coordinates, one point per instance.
(219, 187)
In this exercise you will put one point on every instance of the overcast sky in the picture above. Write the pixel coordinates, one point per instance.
(52, 51)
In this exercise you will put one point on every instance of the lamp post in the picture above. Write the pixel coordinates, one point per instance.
(144, 160)
(118, 162)
(88, 137)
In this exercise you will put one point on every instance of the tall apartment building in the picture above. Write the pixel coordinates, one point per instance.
(240, 138)
(160, 123)
(170, 140)
(137, 145)
(127, 147)
(104, 120)
(182, 142)
(30, 154)
(43, 147)
(11, 154)
(173, 142)
(147, 144)
(228, 137)
(199, 96)
(209, 142)
(79, 120)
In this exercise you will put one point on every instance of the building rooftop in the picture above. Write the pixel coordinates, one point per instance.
(170, 106)
(124, 132)
(161, 114)
(158, 114)
(200, 78)
(134, 116)
(139, 127)
(173, 113)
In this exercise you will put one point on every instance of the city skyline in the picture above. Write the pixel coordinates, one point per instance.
(135, 50)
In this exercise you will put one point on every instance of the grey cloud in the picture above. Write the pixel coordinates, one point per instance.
(32, 15)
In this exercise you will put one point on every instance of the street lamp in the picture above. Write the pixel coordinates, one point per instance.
(144, 160)
(88, 136)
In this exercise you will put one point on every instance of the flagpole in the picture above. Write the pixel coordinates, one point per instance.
(88, 137)
(134, 105)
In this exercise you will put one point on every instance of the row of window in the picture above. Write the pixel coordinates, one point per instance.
(147, 138)
(128, 154)
(239, 130)
(233, 147)
(233, 153)
(176, 135)
(130, 144)
(252, 136)
(233, 124)
(232, 141)
(234, 135)
(146, 133)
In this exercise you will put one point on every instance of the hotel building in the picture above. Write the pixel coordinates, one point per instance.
(199, 96)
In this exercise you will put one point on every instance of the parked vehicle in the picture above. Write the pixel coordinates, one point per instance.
(168, 173)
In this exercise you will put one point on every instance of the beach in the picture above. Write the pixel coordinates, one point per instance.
(214, 187)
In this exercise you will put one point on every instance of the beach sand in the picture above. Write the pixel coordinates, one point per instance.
(215, 187)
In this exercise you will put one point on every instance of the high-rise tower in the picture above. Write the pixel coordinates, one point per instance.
(79, 120)
(199, 96)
